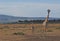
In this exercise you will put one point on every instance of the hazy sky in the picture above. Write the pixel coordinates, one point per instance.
(30, 8)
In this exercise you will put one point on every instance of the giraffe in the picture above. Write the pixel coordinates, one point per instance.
(45, 23)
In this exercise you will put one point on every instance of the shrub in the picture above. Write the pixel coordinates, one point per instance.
(49, 31)
(18, 33)
(58, 28)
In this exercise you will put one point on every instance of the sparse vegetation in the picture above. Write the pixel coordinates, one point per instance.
(49, 31)
(1, 28)
(58, 28)
(18, 33)
(6, 27)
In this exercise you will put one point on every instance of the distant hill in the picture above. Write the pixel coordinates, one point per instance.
(7, 18)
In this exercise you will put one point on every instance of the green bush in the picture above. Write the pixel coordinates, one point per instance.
(18, 33)
(49, 31)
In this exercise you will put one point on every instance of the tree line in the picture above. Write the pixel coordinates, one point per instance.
(38, 21)
(34, 21)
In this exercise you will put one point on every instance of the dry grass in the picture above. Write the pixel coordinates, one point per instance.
(7, 30)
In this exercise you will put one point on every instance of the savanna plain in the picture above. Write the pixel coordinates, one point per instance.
(23, 32)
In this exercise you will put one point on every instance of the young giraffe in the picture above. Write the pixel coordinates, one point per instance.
(45, 23)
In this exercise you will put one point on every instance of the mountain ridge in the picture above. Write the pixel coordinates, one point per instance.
(7, 18)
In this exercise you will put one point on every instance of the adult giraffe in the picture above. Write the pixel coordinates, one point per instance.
(45, 23)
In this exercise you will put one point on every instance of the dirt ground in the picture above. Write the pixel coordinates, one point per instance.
(7, 30)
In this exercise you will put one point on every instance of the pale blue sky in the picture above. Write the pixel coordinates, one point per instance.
(30, 8)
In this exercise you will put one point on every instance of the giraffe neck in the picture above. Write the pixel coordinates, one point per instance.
(46, 20)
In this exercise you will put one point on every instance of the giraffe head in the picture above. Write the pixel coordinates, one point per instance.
(48, 11)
